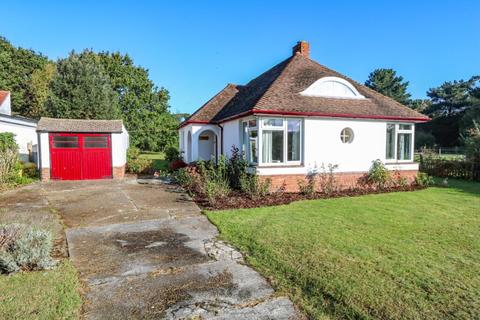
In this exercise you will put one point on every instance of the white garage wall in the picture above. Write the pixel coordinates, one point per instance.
(120, 144)
(44, 150)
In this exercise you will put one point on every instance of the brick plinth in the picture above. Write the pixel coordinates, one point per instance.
(45, 174)
(343, 180)
(119, 172)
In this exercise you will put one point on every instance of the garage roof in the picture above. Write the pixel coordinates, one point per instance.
(76, 125)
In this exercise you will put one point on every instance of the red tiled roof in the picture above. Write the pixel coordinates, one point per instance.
(3, 95)
(277, 91)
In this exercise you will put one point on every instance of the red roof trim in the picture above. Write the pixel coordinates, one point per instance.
(311, 114)
(339, 115)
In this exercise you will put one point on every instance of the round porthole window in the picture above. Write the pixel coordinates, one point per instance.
(346, 135)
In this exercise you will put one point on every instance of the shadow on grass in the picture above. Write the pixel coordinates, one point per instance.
(465, 186)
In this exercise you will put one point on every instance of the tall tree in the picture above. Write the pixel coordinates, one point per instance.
(16, 67)
(388, 83)
(81, 89)
(451, 97)
(38, 89)
(144, 107)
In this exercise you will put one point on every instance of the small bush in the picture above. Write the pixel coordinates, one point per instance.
(24, 248)
(135, 164)
(328, 183)
(424, 180)
(177, 164)
(398, 180)
(172, 154)
(29, 170)
(252, 186)
(8, 158)
(378, 175)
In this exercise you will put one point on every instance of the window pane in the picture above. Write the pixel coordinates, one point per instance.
(273, 122)
(65, 142)
(346, 135)
(244, 138)
(405, 126)
(253, 150)
(272, 150)
(404, 146)
(252, 123)
(96, 142)
(390, 141)
(293, 144)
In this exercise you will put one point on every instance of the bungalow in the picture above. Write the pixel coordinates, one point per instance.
(298, 116)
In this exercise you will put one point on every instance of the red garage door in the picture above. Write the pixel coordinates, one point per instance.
(80, 156)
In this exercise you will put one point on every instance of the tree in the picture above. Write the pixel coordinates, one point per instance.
(16, 67)
(81, 89)
(420, 105)
(38, 89)
(144, 107)
(388, 83)
(451, 97)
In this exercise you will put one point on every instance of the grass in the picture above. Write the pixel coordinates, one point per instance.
(408, 255)
(48, 294)
(158, 158)
(51, 294)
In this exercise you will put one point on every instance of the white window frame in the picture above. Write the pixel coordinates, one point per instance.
(246, 151)
(398, 131)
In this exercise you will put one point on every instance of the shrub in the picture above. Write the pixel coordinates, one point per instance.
(398, 180)
(378, 175)
(177, 164)
(308, 186)
(135, 164)
(424, 180)
(328, 183)
(8, 157)
(252, 186)
(26, 248)
(237, 168)
(172, 154)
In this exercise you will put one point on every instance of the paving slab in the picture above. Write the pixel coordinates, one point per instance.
(145, 251)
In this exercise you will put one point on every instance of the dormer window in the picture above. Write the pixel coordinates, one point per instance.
(332, 87)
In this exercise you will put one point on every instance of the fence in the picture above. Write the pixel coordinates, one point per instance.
(452, 168)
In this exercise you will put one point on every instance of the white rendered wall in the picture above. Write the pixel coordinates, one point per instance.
(196, 130)
(44, 150)
(5, 107)
(120, 143)
(231, 136)
(25, 133)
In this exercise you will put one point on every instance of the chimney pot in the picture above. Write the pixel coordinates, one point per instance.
(303, 48)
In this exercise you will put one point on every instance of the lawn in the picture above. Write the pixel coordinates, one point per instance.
(51, 294)
(406, 255)
(158, 158)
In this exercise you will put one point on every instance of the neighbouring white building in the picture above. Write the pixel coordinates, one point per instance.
(23, 128)
(298, 116)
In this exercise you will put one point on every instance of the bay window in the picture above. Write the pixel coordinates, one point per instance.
(280, 141)
(399, 146)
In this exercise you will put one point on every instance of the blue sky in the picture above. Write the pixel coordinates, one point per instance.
(194, 48)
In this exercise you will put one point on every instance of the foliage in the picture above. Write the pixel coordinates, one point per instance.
(363, 253)
(172, 154)
(213, 179)
(328, 183)
(8, 157)
(237, 168)
(253, 186)
(423, 179)
(451, 97)
(81, 89)
(308, 186)
(17, 66)
(424, 139)
(450, 168)
(378, 175)
(472, 143)
(388, 83)
(29, 170)
(25, 248)
(38, 90)
(144, 107)
(137, 164)
(420, 105)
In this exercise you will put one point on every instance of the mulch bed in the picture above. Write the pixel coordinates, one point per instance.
(237, 200)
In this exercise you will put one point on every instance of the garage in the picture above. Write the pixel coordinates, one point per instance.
(73, 149)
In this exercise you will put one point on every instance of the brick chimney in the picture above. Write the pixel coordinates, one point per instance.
(303, 48)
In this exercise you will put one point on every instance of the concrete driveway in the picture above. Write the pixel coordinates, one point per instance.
(145, 251)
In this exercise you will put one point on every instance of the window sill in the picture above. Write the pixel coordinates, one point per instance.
(280, 166)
